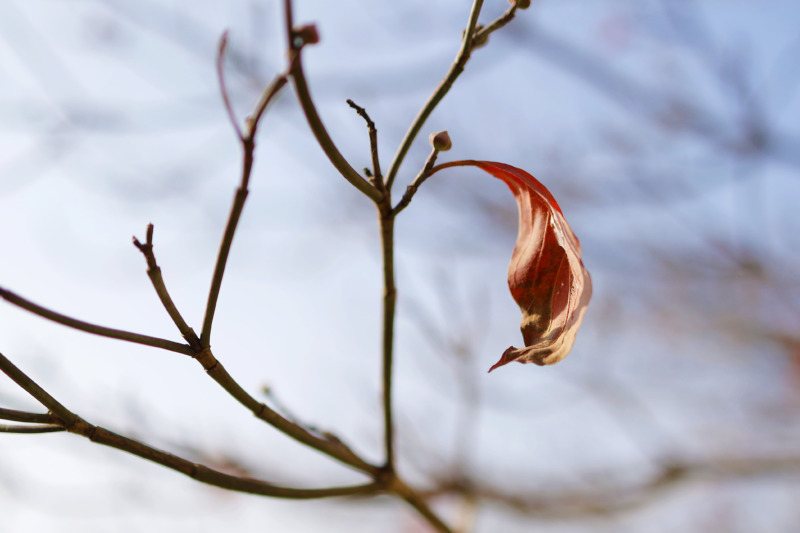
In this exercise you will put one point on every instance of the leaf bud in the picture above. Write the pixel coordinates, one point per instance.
(440, 141)
(521, 4)
(307, 34)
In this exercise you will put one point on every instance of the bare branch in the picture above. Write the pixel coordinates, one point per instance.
(324, 140)
(612, 500)
(4, 428)
(94, 329)
(63, 415)
(329, 445)
(223, 44)
(248, 147)
(389, 307)
(71, 422)
(154, 273)
(25, 416)
(373, 143)
(267, 97)
(415, 500)
(467, 45)
(483, 33)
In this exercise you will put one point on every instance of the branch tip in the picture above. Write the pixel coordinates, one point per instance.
(223, 45)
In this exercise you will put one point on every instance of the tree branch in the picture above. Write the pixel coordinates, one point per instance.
(69, 421)
(25, 416)
(616, 499)
(94, 329)
(223, 89)
(295, 46)
(373, 144)
(154, 273)
(329, 445)
(5, 428)
(389, 306)
(248, 147)
(441, 90)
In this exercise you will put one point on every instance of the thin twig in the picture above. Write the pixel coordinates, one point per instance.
(210, 476)
(63, 415)
(267, 97)
(615, 499)
(4, 428)
(154, 273)
(25, 416)
(470, 37)
(71, 422)
(223, 89)
(441, 90)
(94, 329)
(329, 445)
(415, 500)
(312, 115)
(483, 33)
(248, 147)
(373, 144)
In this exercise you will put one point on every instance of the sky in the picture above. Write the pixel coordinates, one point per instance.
(110, 119)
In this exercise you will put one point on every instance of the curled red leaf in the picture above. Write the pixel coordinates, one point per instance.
(546, 276)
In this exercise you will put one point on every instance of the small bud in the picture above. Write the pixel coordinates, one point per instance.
(307, 34)
(521, 4)
(440, 141)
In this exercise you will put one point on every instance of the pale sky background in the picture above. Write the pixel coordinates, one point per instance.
(110, 118)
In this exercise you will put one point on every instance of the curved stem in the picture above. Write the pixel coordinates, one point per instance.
(312, 116)
(321, 134)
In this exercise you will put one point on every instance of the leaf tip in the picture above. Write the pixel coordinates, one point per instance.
(507, 357)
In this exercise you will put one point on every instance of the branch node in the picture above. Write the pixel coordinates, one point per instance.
(206, 358)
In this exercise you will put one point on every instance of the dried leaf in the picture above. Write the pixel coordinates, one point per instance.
(546, 275)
